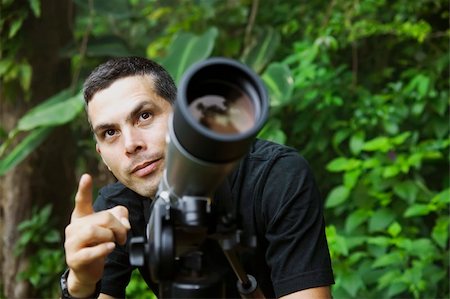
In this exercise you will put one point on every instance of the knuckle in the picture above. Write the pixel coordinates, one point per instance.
(105, 218)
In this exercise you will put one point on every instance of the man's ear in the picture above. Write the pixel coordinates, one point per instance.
(97, 148)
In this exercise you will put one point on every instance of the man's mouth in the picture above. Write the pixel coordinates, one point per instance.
(146, 168)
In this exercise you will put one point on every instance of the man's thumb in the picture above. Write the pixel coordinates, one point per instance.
(83, 198)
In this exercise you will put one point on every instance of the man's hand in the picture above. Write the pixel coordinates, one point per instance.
(90, 237)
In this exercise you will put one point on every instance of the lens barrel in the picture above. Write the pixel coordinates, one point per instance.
(221, 106)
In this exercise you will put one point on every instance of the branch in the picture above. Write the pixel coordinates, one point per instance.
(251, 22)
(83, 46)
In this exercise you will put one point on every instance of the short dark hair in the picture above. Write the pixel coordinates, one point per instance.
(107, 73)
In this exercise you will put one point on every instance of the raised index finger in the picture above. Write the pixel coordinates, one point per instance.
(83, 198)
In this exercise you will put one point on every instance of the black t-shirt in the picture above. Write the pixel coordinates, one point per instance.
(275, 197)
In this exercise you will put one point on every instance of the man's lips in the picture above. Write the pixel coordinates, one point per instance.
(146, 168)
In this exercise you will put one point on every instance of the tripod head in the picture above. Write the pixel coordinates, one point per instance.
(220, 108)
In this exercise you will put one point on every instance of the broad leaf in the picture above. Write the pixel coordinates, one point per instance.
(357, 142)
(343, 164)
(262, 48)
(279, 82)
(407, 190)
(390, 259)
(20, 152)
(187, 49)
(355, 219)
(378, 144)
(352, 282)
(56, 113)
(380, 220)
(418, 210)
(337, 196)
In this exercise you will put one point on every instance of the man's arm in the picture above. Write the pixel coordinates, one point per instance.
(313, 293)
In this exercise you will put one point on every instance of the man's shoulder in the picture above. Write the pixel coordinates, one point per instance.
(266, 148)
(266, 151)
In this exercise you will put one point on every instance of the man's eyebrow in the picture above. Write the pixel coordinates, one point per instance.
(102, 127)
(138, 109)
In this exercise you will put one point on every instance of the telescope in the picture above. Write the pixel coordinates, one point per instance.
(220, 108)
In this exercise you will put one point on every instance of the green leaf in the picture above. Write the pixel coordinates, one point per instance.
(371, 163)
(390, 259)
(339, 137)
(417, 210)
(391, 171)
(440, 231)
(5, 65)
(52, 237)
(357, 142)
(400, 139)
(35, 6)
(352, 282)
(279, 81)
(396, 288)
(351, 178)
(442, 197)
(394, 229)
(25, 76)
(378, 144)
(423, 248)
(379, 241)
(355, 219)
(44, 213)
(381, 219)
(21, 151)
(272, 131)
(407, 190)
(52, 115)
(343, 164)
(15, 26)
(263, 47)
(337, 196)
(419, 83)
(187, 49)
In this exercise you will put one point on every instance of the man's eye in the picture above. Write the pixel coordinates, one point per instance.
(110, 132)
(145, 115)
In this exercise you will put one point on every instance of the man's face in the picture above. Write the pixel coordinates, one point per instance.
(130, 122)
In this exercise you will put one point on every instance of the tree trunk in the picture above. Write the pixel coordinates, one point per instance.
(48, 174)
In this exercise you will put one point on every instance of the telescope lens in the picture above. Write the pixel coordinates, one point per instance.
(223, 109)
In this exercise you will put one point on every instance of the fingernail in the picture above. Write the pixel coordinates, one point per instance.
(110, 245)
(125, 222)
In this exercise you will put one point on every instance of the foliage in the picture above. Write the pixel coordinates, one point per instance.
(137, 288)
(361, 88)
(38, 123)
(39, 236)
(13, 70)
(380, 127)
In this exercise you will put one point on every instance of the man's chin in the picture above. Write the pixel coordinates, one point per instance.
(146, 190)
(144, 186)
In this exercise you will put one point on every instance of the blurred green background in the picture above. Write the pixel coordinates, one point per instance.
(359, 87)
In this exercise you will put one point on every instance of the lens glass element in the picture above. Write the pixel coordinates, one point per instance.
(229, 111)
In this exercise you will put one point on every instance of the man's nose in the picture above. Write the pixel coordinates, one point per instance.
(134, 141)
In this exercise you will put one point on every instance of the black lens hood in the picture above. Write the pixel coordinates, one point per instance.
(201, 142)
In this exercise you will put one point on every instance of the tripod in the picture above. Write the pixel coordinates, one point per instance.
(176, 231)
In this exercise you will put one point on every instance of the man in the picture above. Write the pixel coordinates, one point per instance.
(128, 103)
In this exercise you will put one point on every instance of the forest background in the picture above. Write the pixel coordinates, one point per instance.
(359, 87)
